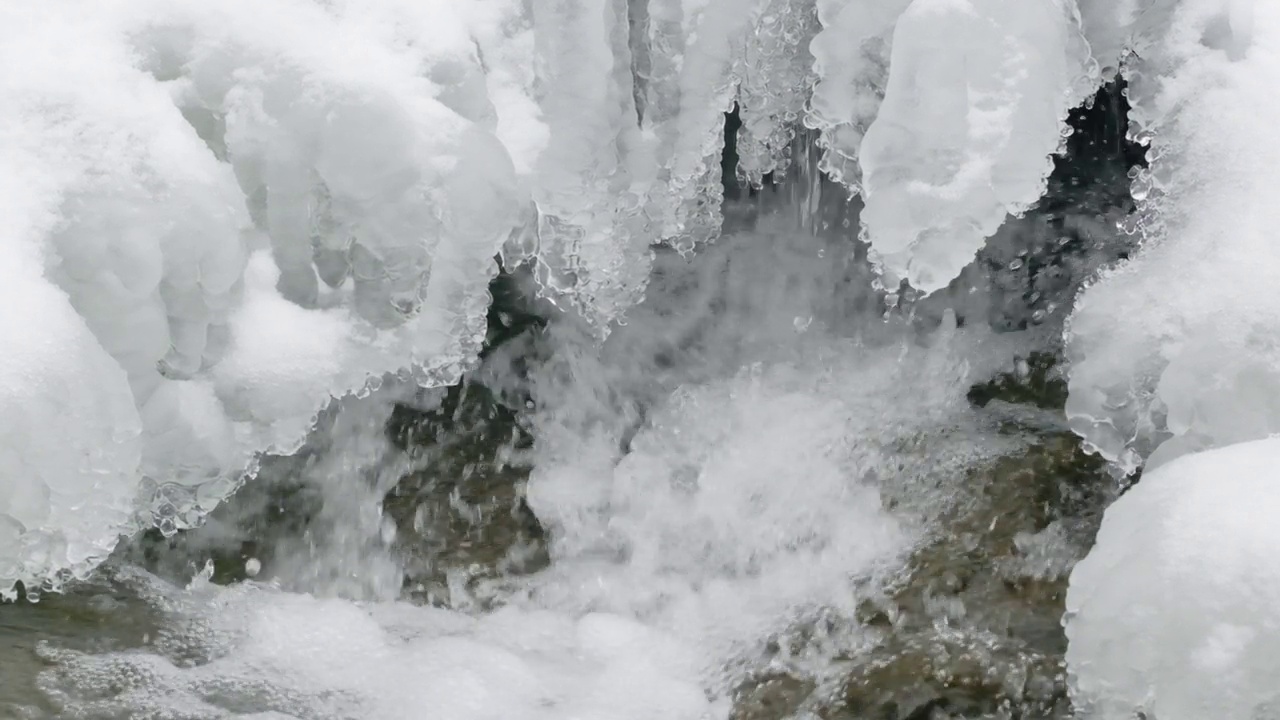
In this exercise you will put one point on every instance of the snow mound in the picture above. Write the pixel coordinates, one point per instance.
(250, 210)
(1173, 612)
(1175, 351)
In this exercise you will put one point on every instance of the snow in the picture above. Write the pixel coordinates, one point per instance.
(148, 165)
(1192, 363)
(1173, 612)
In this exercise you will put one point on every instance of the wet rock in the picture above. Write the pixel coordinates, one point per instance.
(462, 516)
(770, 697)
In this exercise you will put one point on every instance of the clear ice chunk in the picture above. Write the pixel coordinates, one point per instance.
(851, 61)
(775, 81)
(977, 95)
(251, 209)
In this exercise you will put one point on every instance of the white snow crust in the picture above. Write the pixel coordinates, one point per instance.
(1173, 612)
(1175, 351)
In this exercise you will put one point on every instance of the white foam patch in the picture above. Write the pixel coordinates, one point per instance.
(266, 653)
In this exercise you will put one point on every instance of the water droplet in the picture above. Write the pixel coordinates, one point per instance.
(252, 567)
(1021, 369)
(1129, 225)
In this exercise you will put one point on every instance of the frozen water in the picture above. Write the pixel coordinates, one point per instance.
(1192, 362)
(69, 445)
(976, 100)
(851, 60)
(776, 77)
(1173, 613)
(589, 178)
(221, 216)
(246, 222)
(254, 210)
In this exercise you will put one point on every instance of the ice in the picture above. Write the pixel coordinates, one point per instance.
(634, 96)
(977, 96)
(69, 446)
(252, 211)
(775, 82)
(851, 60)
(1116, 28)
(590, 181)
(1191, 363)
(696, 48)
(1173, 613)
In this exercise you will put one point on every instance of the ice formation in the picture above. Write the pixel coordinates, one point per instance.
(974, 106)
(1174, 368)
(246, 222)
(1191, 362)
(851, 58)
(254, 209)
(1173, 613)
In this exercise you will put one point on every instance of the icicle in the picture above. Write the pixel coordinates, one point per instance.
(776, 76)
(851, 61)
(977, 95)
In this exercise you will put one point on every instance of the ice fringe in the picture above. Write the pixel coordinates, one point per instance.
(221, 215)
(1175, 351)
